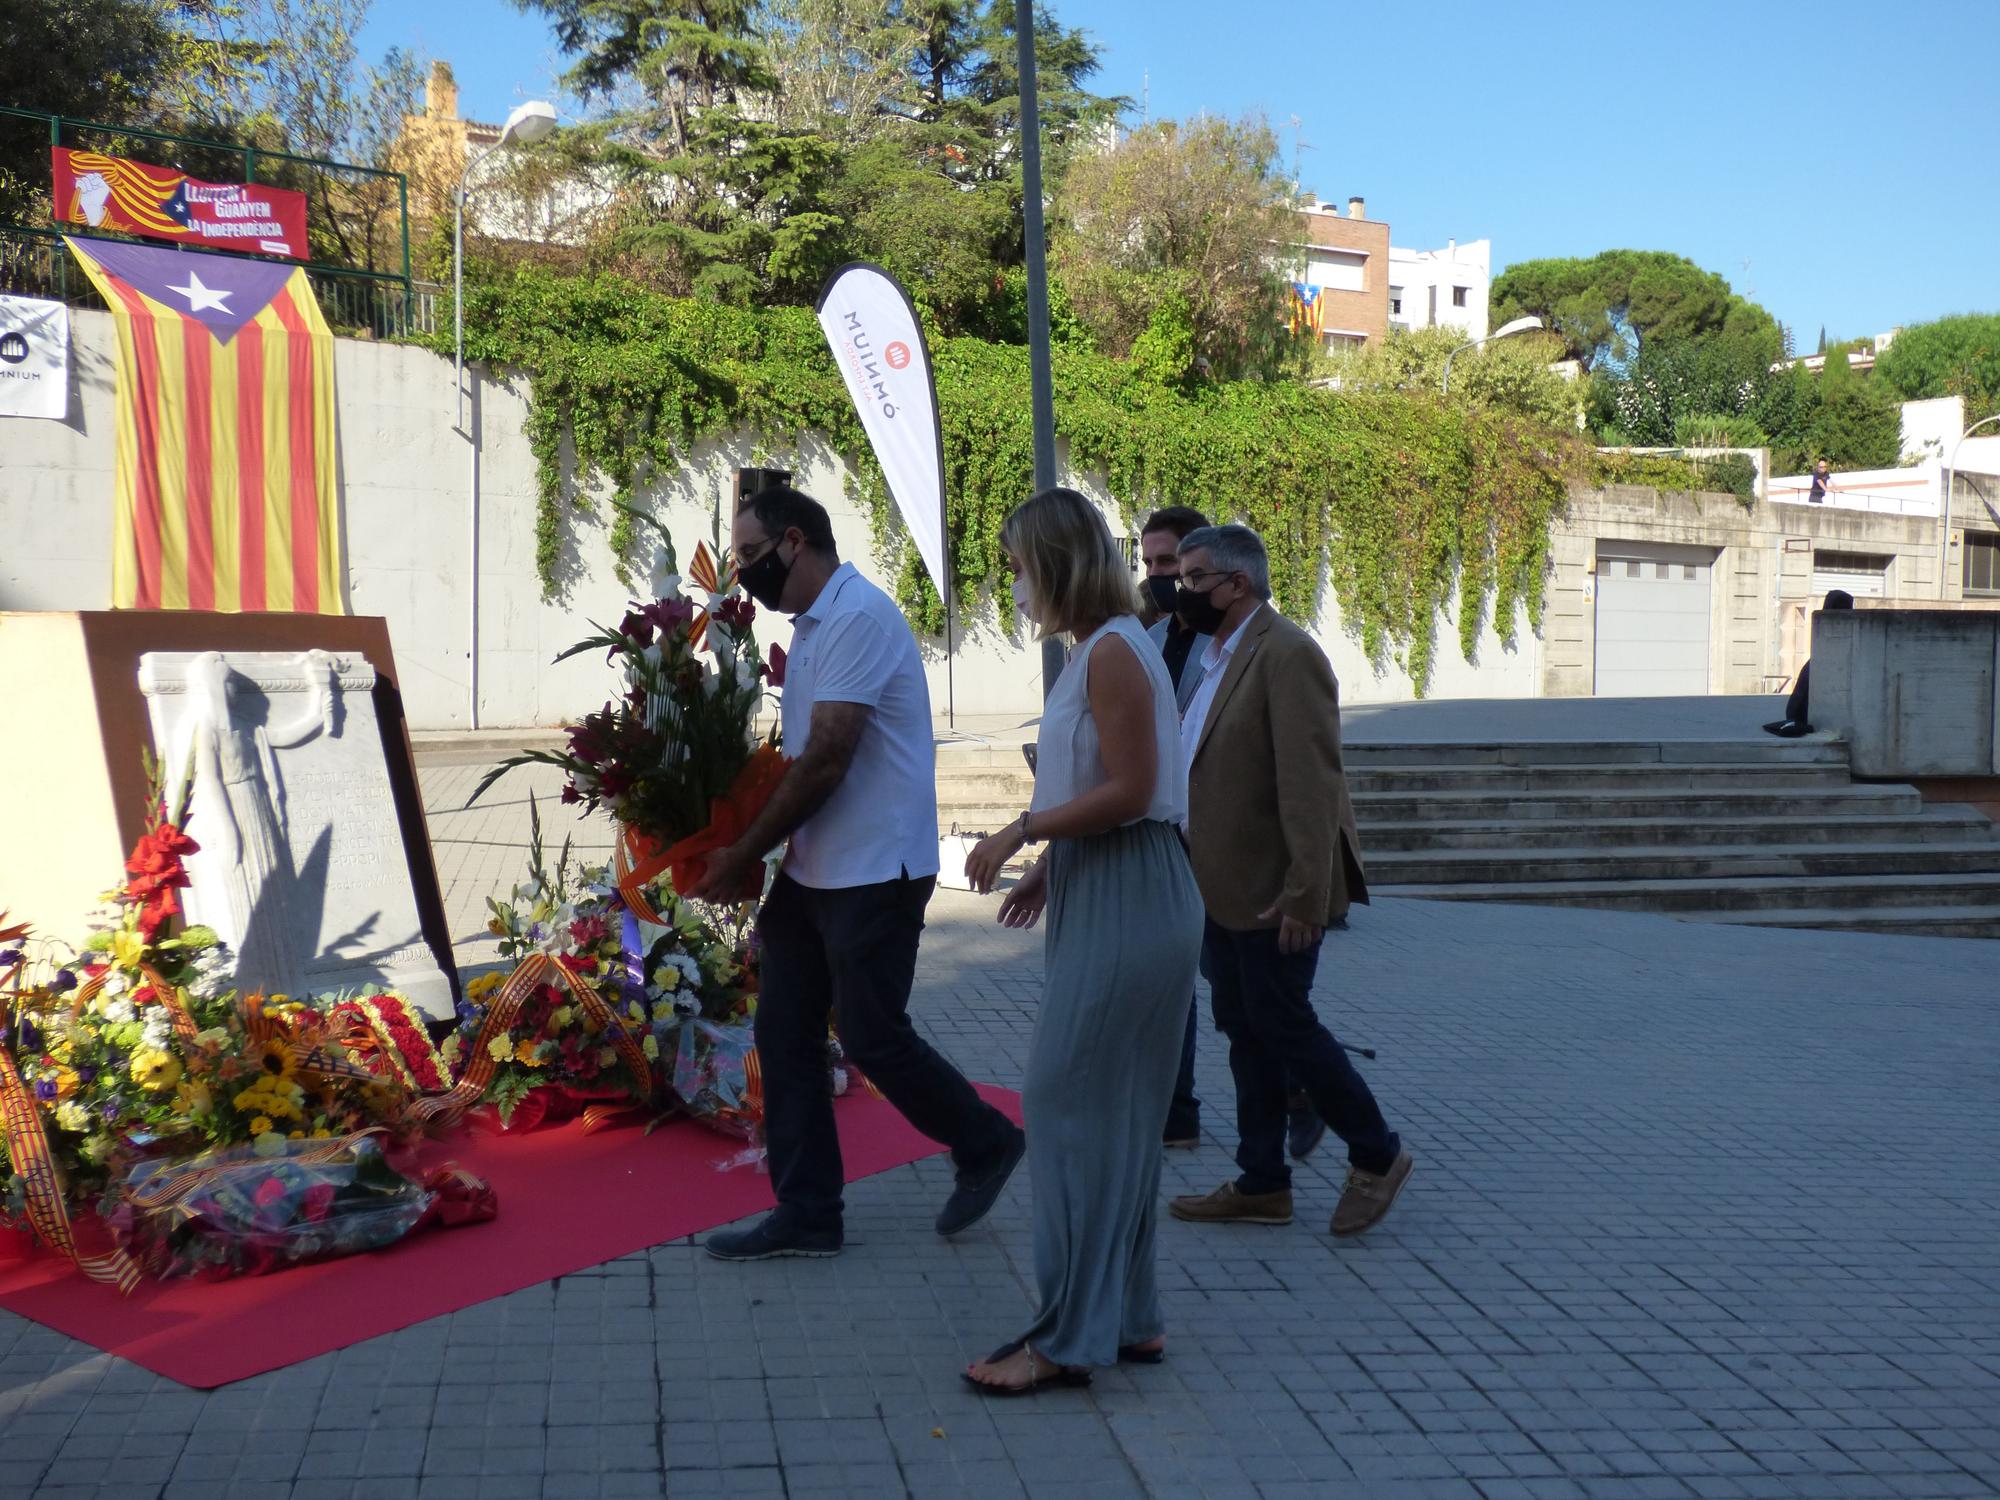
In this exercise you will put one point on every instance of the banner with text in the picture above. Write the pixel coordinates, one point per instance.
(108, 192)
(34, 358)
(872, 327)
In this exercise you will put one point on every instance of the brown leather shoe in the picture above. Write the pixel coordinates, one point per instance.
(1367, 1196)
(1227, 1206)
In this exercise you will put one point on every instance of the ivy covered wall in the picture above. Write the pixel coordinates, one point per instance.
(1395, 500)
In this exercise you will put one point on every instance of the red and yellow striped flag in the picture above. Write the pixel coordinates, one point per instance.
(226, 496)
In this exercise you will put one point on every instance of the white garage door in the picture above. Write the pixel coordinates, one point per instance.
(1652, 620)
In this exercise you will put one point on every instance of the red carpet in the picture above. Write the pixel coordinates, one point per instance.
(567, 1201)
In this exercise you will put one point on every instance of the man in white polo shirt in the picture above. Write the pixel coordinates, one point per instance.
(840, 928)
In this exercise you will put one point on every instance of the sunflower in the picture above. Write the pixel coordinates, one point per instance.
(277, 1058)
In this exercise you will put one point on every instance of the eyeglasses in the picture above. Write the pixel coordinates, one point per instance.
(756, 552)
(1197, 582)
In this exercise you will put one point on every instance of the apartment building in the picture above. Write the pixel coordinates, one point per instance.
(1342, 289)
(1441, 288)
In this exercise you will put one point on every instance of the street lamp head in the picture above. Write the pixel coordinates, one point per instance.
(529, 123)
(1519, 325)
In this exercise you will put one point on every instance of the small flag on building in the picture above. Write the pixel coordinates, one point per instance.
(224, 420)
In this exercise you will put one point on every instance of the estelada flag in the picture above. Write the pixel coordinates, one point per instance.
(225, 494)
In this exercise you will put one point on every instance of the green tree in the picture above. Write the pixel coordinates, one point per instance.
(167, 64)
(1607, 306)
(1195, 211)
(1512, 374)
(721, 200)
(1957, 356)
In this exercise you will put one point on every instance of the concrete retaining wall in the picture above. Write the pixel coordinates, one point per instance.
(1915, 692)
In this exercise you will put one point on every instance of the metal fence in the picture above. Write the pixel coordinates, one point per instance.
(381, 304)
(373, 304)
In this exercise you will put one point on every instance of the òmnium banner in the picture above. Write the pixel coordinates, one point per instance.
(34, 358)
(872, 326)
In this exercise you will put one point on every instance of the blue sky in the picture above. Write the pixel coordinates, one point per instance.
(1839, 160)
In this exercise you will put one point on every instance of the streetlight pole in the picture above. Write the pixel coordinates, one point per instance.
(1505, 330)
(1950, 484)
(528, 123)
(1040, 380)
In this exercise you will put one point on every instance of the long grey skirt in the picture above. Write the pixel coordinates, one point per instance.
(1124, 940)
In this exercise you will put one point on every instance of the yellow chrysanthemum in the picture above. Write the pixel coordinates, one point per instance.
(65, 1082)
(561, 1016)
(321, 1133)
(261, 1124)
(606, 1056)
(500, 1049)
(633, 1012)
(651, 1047)
(526, 1053)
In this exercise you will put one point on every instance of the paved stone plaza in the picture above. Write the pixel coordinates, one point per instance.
(1698, 1211)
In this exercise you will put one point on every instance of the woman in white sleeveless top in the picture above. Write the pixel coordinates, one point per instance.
(1124, 938)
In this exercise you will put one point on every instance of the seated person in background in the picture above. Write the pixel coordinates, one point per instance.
(1795, 723)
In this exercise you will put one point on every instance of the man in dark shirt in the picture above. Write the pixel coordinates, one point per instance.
(1822, 483)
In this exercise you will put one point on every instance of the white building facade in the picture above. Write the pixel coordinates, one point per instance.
(1441, 288)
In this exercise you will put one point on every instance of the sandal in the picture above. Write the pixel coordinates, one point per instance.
(1064, 1375)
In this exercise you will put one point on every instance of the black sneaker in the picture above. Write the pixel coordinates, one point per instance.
(771, 1238)
(1303, 1127)
(975, 1196)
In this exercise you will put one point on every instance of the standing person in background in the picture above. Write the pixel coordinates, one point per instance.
(1272, 837)
(841, 925)
(1182, 646)
(1822, 483)
(1124, 938)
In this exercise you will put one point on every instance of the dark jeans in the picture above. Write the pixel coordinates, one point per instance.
(850, 955)
(1184, 1114)
(1263, 1004)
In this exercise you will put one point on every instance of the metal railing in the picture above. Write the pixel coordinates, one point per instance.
(376, 304)
(384, 304)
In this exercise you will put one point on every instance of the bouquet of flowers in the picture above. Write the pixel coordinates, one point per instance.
(239, 1212)
(565, 1044)
(676, 758)
(140, 1046)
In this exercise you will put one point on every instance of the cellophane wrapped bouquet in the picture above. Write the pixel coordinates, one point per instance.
(237, 1211)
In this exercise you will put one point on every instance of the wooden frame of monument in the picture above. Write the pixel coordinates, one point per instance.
(72, 775)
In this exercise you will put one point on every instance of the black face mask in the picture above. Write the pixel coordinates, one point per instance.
(764, 579)
(1162, 591)
(1199, 612)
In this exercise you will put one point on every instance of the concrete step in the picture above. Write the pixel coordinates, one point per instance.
(1941, 824)
(1545, 866)
(1727, 896)
(1363, 754)
(1460, 805)
(1904, 921)
(994, 783)
(1726, 775)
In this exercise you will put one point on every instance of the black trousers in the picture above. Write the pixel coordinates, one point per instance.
(1263, 1004)
(850, 956)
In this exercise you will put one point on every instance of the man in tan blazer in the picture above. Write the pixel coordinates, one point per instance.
(1272, 837)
